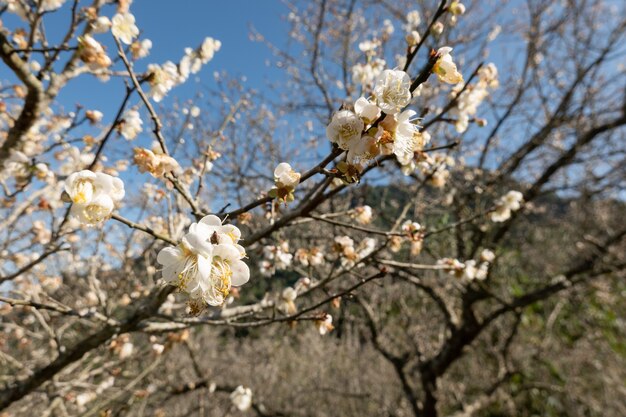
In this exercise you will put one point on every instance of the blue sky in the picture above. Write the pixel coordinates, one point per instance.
(173, 26)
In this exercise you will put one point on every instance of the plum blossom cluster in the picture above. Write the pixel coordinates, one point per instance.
(130, 124)
(206, 263)
(379, 125)
(93, 195)
(275, 257)
(21, 168)
(241, 398)
(156, 163)
(310, 257)
(468, 101)
(350, 255)
(162, 78)
(362, 214)
(396, 134)
(286, 302)
(414, 234)
(469, 270)
(505, 205)
(445, 68)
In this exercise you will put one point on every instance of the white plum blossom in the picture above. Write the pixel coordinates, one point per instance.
(162, 79)
(413, 38)
(93, 195)
(445, 68)
(101, 24)
(437, 29)
(310, 257)
(325, 324)
(363, 214)
(92, 53)
(131, 124)
(468, 101)
(276, 257)
(393, 91)
(457, 8)
(285, 176)
(508, 203)
(157, 164)
(206, 263)
(286, 179)
(487, 255)
(241, 398)
(413, 19)
(123, 27)
(366, 110)
(286, 301)
(365, 74)
(140, 48)
(399, 137)
(50, 5)
(345, 129)
(195, 58)
(94, 116)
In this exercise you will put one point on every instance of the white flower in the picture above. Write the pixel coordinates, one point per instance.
(162, 79)
(363, 214)
(84, 398)
(286, 302)
(400, 136)
(17, 7)
(289, 294)
(369, 47)
(131, 124)
(437, 29)
(457, 8)
(393, 91)
(206, 263)
(487, 255)
(366, 110)
(241, 398)
(123, 27)
(101, 25)
(84, 185)
(324, 325)
(50, 5)
(94, 116)
(469, 270)
(141, 49)
(345, 128)
(445, 68)
(312, 257)
(365, 74)
(92, 53)
(410, 227)
(413, 38)
(208, 48)
(278, 255)
(156, 164)
(93, 195)
(285, 176)
(286, 180)
(511, 201)
(95, 211)
(126, 350)
(413, 19)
